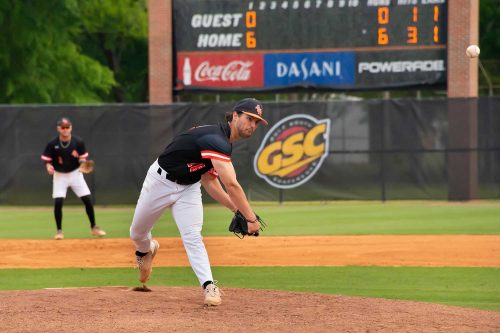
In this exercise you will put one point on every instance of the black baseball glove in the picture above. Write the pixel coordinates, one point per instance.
(239, 225)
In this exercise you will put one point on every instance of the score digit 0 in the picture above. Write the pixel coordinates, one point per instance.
(251, 22)
(383, 18)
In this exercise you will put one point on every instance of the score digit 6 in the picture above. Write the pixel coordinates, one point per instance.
(251, 40)
(251, 22)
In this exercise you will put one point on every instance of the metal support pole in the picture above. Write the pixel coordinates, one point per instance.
(487, 77)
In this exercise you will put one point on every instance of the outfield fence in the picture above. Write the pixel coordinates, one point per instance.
(376, 149)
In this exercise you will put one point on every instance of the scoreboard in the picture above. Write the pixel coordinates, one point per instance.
(272, 45)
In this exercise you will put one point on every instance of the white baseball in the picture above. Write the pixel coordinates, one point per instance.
(472, 51)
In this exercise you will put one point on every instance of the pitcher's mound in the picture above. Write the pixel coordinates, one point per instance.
(175, 309)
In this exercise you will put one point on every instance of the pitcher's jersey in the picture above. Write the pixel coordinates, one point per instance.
(189, 155)
(65, 156)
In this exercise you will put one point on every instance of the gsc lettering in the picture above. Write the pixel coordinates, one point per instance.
(282, 154)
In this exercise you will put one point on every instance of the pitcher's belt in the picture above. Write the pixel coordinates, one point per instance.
(168, 176)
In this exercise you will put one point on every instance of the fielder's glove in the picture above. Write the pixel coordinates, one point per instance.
(87, 166)
(239, 226)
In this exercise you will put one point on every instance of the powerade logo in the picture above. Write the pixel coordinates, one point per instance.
(309, 69)
(292, 151)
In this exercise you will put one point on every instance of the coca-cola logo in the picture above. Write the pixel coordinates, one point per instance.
(233, 71)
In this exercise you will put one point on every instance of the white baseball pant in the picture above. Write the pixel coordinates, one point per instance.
(74, 179)
(157, 194)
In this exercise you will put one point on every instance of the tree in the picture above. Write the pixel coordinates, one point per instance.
(39, 60)
(489, 41)
(489, 28)
(116, 34)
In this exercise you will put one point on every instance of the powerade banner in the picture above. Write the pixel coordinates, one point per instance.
(293, 45)
(395, 69)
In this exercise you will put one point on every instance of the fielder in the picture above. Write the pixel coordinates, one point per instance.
(63, 156)
(197, 157)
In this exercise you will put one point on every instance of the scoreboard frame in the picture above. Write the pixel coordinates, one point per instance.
(373, 44)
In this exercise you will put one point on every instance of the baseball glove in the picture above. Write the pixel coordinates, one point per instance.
(239, 226)
(87, 166)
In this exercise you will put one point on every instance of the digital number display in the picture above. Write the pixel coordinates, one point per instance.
(353, 34)
(308, 24)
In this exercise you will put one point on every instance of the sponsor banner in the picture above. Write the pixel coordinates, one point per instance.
(233, 70)
(326, 70)
(292, 151)
(309, 69)
(401, 68)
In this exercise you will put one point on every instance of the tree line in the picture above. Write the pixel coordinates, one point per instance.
(96, 51)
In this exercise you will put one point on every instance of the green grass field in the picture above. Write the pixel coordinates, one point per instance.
(469, 287)
(337, 218)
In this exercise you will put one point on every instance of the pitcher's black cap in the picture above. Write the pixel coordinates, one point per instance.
(251, 107)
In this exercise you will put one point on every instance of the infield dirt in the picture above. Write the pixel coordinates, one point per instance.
(243, 310)
(116, 309)
(427, 251)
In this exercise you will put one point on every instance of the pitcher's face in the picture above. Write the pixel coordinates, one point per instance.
(246, 125)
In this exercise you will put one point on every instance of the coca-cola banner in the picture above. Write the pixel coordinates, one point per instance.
(233, 70)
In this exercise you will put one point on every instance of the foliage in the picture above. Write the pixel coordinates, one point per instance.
(489, 40)
(73, 51)
(116, 34)
(39, 60)
(489, 28)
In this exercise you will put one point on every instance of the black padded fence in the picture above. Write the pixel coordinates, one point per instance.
(377, 149)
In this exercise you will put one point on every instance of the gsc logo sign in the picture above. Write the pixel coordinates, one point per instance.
(293, 151)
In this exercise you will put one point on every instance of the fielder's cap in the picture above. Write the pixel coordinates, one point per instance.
(251, 107)
(64, 122)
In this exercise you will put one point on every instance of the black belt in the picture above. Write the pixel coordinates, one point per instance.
(168, 176)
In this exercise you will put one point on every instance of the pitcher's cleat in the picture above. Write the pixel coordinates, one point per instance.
(212, 295)
(145, 263)
(59, 235)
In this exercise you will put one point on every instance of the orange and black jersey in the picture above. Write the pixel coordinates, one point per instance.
(65, 156)
(190, 153)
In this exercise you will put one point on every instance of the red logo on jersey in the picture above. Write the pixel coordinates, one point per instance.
(195, 166)
(74, 153)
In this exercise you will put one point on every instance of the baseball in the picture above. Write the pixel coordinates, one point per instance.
(472, 51)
